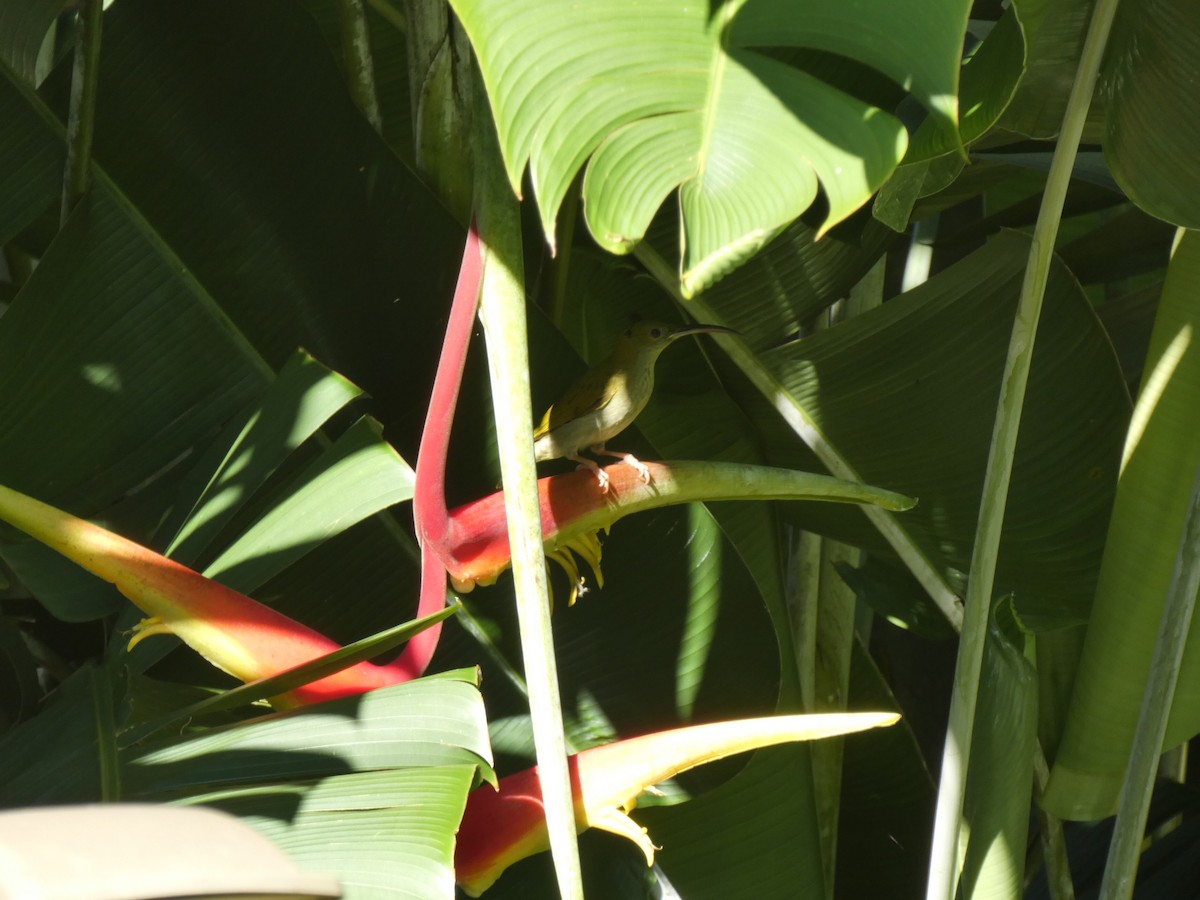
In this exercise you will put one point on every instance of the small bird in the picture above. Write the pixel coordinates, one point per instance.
(608, 397)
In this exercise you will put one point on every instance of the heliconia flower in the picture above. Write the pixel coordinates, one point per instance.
(250, 641)
(475, 550)
(235, 633)
(501, 826)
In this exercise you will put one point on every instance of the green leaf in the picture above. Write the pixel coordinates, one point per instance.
(668, 95)
(384, 834)
(73, 318)
(886, 813)
(33, 156)
(1161, 456)
(427, 722)
(1054, 31)
(298, 401)
(54, 757)
(795, 272)
(74, 315)
(359, 476)
(23, 27)
(989, 79)
(19, 690)
(1153, 109)
(907, 393)
(1001, 776)
(771, 801)
(897, 597)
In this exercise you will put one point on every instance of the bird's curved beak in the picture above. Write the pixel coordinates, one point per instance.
(685, 330)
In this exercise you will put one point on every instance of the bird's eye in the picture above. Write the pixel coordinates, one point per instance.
(656, 332)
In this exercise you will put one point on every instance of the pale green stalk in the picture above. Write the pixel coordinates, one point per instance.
(797, 417)
(356, 57)
(1054, 845)
(836, 613)
(1121, 868)
(946, 855)
(920, 254)
(502, 311)
(803, 599)
(81, 115)
(108, 761)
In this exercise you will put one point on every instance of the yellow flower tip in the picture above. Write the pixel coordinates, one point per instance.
(462, 585)
(617, 822)
(145, 628)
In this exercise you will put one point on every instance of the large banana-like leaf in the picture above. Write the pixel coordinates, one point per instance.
(369, 788)
(990, 77)
(1153, 107)
(1162, 452)
(907, 393)
(1054, 32)
(669, 95)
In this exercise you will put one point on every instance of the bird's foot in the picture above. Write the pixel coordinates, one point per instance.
(591, 465)
(642, 469)
(628, 458)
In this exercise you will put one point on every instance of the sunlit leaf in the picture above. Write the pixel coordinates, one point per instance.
(666, 95)
(1162, 453)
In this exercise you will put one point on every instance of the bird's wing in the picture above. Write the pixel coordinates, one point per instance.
(575, 403)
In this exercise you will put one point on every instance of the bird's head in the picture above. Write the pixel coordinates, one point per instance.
(654, 337)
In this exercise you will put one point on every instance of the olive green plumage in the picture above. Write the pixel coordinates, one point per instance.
(608, 397)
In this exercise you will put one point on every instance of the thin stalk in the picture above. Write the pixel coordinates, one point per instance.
(831, 677)
(946, 855)
(803, 598)
(502, 311)
(797, 417)
(106, 734)
(81, 115)
(920, 254)
(834, 639)
(1121, 868)
(356, 56)
(1054, 845)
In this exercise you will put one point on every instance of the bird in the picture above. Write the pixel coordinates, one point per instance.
(608, 397)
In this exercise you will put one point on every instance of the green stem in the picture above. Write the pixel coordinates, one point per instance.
(946, 855)
(803, 595)
(356, 56)
(502, 311)
(81, 116)
(1122, 865)
(797, 417)
(106, 734)
(1054, 845)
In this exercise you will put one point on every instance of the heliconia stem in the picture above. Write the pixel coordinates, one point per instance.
(430, 517)
(502, 826)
